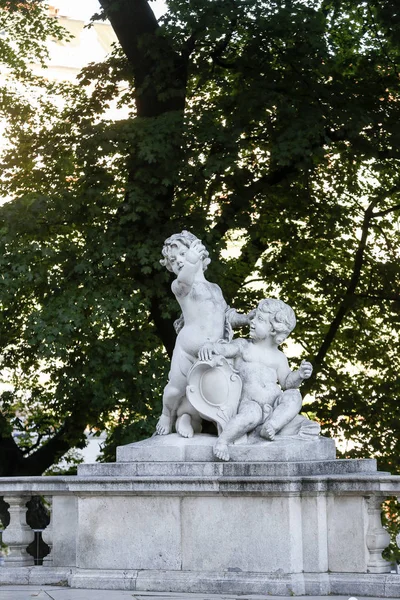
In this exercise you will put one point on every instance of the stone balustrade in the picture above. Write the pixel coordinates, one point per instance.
(325, 513)
(17, 536)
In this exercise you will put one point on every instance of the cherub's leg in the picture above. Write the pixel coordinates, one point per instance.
(171, 399)
(288, 407)
(189, 421)
(174, 391)
(187, 425)
(249, 416)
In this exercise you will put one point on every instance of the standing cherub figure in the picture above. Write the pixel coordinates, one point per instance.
(261, 365)
(205, 318)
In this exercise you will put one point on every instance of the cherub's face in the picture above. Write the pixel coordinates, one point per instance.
(260, 326)
(177, 256)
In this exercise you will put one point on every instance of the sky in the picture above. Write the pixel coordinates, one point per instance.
(84, 9)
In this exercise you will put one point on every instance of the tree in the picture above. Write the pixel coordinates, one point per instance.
(270, 124)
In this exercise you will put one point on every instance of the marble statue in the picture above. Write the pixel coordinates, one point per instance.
(245, 386)
(269, 397)
(205, 318)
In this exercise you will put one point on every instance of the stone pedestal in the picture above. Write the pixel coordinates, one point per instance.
(280, 518)
(172, 448)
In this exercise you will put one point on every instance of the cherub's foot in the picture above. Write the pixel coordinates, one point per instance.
(268, 431)
(184, 426)
(163, 426)
(221, 450)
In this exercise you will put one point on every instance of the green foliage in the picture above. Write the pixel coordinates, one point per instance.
(24, 28)
(288, 145)
(391, 522)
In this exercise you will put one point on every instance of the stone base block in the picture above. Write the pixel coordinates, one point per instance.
(196, 581)
(280, 584)
(34, 576)
(283, 584)
(230, 469)
(380, 586)
(173, 447)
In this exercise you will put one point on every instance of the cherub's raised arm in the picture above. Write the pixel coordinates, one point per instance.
(210, 349)
(236, 319)
(186, 276)
(294, 379)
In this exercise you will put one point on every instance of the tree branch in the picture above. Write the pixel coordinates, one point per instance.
(380, 297)
(382, 213)
(131, 19)
(68, 436)
(136, 28)
(238, 202)
(10, 453)
(220, 48)
(348, 298)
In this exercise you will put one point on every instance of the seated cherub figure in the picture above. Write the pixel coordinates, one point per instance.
(205, 318)
(261, 366)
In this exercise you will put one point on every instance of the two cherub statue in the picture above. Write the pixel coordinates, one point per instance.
(270, 401)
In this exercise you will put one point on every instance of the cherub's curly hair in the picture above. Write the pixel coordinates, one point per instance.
(185, 238)
(282, 318)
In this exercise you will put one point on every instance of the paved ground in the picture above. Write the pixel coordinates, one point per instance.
(32, 592)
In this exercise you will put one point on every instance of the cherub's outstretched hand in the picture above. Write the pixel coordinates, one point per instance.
(305, 369)
(251, 315)
(206, 352)
(196, 251)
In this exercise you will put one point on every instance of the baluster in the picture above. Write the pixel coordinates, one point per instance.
(18, 535)
(398, 540)
(377, 537)
(396, 565)
(47, 534)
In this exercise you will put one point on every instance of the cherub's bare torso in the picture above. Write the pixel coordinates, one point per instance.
(203, 310)
(259, 368)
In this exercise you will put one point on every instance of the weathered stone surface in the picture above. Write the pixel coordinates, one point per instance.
(280, 584)
(65, 514)
(230, 469)
(314, 538)
(359, 484)
(347, 524)
(172, 448)
(236, 583)
(106, 579)
(383, 586)
(227, 534)
(117, 532)
(33, 576)
(229, 582)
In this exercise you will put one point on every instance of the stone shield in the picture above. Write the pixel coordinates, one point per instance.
(214, 389)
